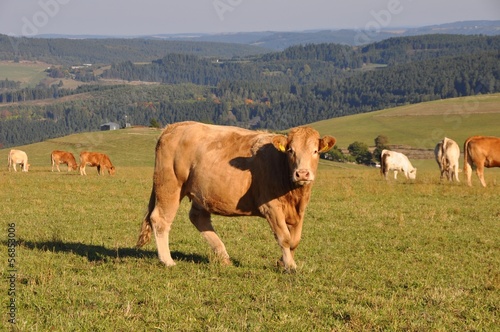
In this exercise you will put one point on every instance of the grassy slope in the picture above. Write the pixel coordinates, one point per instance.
(392, 256)
(420, 125)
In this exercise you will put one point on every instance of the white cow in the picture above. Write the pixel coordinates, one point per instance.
(396, 161)
(447, 153)
(18, 157)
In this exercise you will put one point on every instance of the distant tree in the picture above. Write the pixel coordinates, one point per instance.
(360, 153)
(154, 123)
(334, 154)
(381, 142)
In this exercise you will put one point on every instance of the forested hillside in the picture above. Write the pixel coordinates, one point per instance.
(60, 51)
(278, 90)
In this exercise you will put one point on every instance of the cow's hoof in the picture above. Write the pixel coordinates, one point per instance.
(169, 263)
(286, 269)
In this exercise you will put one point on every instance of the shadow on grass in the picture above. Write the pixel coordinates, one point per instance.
(99, 253)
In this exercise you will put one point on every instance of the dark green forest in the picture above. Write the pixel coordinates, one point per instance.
(105, 51)
(276, 91)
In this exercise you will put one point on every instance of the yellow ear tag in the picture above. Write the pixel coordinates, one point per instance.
(324, 149)
(282, 148)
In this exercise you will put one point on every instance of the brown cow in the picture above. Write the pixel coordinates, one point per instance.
(62, 157)
(232, 171)
(482, 151)
(96, 159)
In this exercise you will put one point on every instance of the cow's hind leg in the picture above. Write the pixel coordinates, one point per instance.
(480, 174)
(468, 172)
(201, 220)
(455, 172)
(161, 218)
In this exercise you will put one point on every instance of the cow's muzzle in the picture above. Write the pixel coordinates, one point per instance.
(302, 176)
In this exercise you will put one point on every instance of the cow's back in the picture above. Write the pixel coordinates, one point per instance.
(219, 167)
(90, 158)
(18, 155)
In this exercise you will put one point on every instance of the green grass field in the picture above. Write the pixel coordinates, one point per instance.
(28, 73)
(375, 255)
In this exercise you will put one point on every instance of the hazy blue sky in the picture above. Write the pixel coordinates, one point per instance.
(138, 17)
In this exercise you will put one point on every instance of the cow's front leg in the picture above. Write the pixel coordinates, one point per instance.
(295, 235)
(284, 238)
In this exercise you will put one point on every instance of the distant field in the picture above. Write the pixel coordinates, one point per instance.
(28, 73)
(130, 147)
(420, 125)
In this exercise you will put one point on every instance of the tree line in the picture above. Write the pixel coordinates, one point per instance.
(300, 85)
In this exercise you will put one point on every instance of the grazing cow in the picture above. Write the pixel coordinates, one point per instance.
(396, 161)
(62, 157)
(18, 157)
(96, 159)
(447, 153)
(232, 171)
(482, 151)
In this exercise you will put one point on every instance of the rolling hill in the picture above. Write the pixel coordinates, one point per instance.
(279, 40)
(419, 126)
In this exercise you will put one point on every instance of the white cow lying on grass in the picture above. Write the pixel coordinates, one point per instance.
(396, 161)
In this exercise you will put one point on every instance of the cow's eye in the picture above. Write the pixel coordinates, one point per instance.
(290, 151)
(315, 152)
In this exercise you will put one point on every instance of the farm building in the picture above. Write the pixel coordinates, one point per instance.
(110, 126)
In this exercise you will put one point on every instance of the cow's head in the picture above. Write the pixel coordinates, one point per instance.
(73, 166)
(412, 174)
(303, 147)
(112, 170)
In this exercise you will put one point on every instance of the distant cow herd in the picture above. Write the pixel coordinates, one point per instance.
(231, 171)
(479, 151)
(58, 157)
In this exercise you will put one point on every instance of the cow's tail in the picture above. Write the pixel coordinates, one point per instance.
(383, 163)
(467, 162)
(146, 227)
(444, 160)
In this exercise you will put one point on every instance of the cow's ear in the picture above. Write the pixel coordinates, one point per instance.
(326, 143)
(280, 142)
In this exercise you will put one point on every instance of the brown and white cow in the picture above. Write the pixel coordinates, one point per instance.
(482, 151)
(62, 157)
(18, 157)
(96, 159)
(396, 161)
(232, 171)
(447, 153)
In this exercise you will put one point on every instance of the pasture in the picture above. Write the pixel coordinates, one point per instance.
(420, 125)
(375, 255)
(28, 73)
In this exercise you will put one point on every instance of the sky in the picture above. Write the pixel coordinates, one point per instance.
(149, 17)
